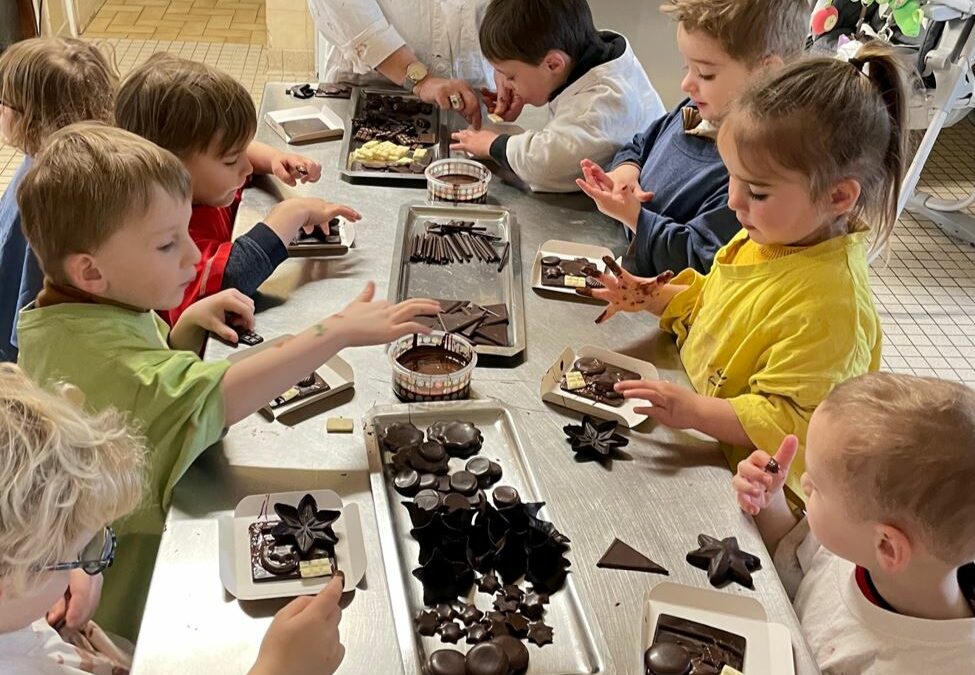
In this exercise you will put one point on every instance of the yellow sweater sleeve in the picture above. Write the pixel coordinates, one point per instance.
(680, 312)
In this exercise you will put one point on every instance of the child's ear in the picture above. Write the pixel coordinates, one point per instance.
(771, 62)
(83, 273)
(892, 548)
(843, 196)
(556, 61)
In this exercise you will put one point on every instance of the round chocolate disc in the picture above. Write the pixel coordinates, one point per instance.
(463, 482)
(487, 658)
(515, 650)
(667, 658)
(480, 467)
(553, 272)
(407, 482)
(428, 481)
(428, 500)
(443, 484)
(456, 502)
(447, 662)
(589, 365)
(550, 260)
(432, 451)
(399, 435)
(495, 472)
(505, 497)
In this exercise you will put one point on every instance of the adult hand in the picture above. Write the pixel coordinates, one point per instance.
(291, 168)
(291, 215)
(367, 322)
(619, 197)
(625, 292)
(451, 95)
(78, 604)
(476, 143)
(304, 637)
(754, 485)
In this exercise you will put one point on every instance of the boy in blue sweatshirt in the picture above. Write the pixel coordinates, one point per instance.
(668, 186)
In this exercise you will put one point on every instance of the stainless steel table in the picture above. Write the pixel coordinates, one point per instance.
(674, 486)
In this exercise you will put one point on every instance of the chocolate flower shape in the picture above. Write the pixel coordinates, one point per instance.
(459, 439)
(724, 561)
(547, 566)
(594, 440)
(399, 435)
(305, 525)
(443, 579)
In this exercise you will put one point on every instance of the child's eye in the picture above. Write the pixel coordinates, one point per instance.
(706, 78)
(757, 197)
(230, 161)
(167, 247)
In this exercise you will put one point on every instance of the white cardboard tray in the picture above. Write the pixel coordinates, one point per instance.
(336, 372)
(335, 124)
(235, 573)
(322, 250)
(566, 249)
(768, 645)
(625, 414)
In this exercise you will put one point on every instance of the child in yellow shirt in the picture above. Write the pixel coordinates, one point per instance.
(814, 152)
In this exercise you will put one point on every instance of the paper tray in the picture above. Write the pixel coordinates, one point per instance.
(577, 649)
(768, 646)
(322, 250)
(336, 372)
(625, 414)
(566, 249)
(474, 281)
(350, 550)
(439, 150)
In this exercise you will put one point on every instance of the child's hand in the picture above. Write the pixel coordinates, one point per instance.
(755, 484)
(476, 143)
(625, 292)
(364, 322)
(215, 314)
(304, 637)
(618, 199)
(506, 104)
(291, 168)
(78, 604)
(673, 405)
(292, 215)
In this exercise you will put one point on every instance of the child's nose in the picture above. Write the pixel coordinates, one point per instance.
(191, 252)
(736, 197)
(688, 85)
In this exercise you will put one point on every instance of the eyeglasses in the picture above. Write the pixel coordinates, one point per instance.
(96, 557)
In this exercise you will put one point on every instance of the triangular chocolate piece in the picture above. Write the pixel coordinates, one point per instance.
(455, 323)
(492, 335)
(622, 556)
(496, 314)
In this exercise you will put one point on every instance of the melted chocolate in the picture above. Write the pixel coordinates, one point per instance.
(432, 360)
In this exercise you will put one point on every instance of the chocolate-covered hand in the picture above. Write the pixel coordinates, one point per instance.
(291, 168)
(623, 291)
(672, 405)
(477, 143)
(78, 604)
(760, 477)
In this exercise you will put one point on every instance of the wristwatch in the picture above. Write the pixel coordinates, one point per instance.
(416, 72)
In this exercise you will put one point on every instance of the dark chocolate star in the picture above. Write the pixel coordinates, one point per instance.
(594, 440)
(724, 561)
(470, 614)
(426, 623)
(512, 592)
(489, 583)
(502, 604)
(532, 606)
(305, 525)
(451, 632)
(518, 625)
(477, 634)
(540, 634)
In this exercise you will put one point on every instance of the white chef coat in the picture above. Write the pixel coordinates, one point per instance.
(355, 36)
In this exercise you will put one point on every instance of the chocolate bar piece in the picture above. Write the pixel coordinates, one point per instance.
(569, 272)
(311, 385)
(704, 648)
(600, 380)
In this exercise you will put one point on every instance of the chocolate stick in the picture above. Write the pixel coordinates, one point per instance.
(474, 247)
(463, 244)
(504, 255)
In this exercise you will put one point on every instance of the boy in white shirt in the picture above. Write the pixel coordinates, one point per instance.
(881, 566)
(598, 94)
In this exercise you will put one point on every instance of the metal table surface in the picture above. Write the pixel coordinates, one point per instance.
(673, 485)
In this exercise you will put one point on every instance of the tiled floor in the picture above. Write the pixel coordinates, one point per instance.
(925, 291)
(234, 21)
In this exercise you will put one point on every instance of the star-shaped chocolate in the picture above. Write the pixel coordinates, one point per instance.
(451, 632)
(502, 604)
(518, 625)
(426, 623)
(593, 439)
(305, 525)
(540, 633)
(489, 583)
(724, 561)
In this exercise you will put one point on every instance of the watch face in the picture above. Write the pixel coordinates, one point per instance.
(416, 71)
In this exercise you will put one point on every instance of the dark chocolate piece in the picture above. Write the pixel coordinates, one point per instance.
(407, 482)
(515, 650)
(447, 662)
(540, 633)
(710, 648)
(594, 439)
(489, 583)
(247, 337)
(459, 439)
(532, 606)
(477, 634)
(399, 435)
(724, 561)
(512, 592)
(496, 335)
(306, 525)
(309, 386)
(480, 468)
(451, 632)
(518, 625)
(487, 658)
(471, 615)
(428, 481)
(772, 466)
(622, 556)
(551, 260)
(667, 658)
(599, 386)
(463, 482)
(445, 612)
(426, 623)
(502, 604)
(505, 497)
(443, 484)
(589, 365)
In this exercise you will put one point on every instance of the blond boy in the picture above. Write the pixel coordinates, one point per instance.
(207, 119)
(669, 187)
(64, 475)
(107, 213)
(881, 566)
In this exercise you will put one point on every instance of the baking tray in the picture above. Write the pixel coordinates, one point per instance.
(474, 281)
(626, 414)
(439, 150)
(577, 649)
(235, 572)
(768, 645)
(566, 249)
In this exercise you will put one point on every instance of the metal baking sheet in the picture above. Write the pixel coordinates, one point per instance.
(475, 281)
(576, 648)
(439, 150)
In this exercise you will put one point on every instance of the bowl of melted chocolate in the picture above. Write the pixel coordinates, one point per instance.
(457, 180)
(435, 367)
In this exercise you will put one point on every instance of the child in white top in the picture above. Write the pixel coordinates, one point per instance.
(881, 566)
